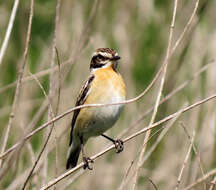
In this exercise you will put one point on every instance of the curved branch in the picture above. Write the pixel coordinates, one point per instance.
(171, 116)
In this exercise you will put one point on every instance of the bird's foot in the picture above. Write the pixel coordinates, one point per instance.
(87, 162)
(119, 145)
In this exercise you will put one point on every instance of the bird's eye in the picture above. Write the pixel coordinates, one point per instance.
(101, 57)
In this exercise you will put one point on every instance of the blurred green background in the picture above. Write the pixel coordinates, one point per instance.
(138, 30)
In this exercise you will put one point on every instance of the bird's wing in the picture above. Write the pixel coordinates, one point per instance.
(84, 92)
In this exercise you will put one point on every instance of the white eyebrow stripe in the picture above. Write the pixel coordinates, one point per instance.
(105, 54)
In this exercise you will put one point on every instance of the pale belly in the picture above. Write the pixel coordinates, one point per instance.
(103, 118)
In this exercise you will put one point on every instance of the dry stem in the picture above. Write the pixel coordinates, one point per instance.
(171, 116)
(139, 164)
(19, 82)
(9, 29)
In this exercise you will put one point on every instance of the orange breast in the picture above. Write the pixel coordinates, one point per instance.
(107, 87)
(107, 82)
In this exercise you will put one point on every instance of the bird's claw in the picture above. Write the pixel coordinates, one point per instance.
(119, 145)
(87, 162)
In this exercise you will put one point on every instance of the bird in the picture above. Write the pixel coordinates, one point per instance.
(103, 86)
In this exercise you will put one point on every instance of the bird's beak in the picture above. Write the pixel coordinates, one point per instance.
(115, 58)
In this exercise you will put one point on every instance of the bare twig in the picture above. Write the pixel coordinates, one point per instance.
(74, 57)
(155, 187)
(167, 97)
(52, 88)
(48, 71)
(139, 164)
(9, 29)
(171, 116)
(213, 183)
(201, 179)
(47, 138)
(94, 105)
(72, 110)
(57, 108)
(38, 75)
(163, 133)
(34, 121)
(72, 179)
(125, 177)
(195, 151)
(29, 147)
(20, 180)
(186, 28)
(185, 162)
(81, 43)
(19, 82)
(134, 124)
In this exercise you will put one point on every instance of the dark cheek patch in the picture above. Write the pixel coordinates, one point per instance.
(95, 64)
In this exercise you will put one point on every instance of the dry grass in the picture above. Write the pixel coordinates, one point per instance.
(175, 106)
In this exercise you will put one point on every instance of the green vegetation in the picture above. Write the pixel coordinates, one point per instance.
(139, 31)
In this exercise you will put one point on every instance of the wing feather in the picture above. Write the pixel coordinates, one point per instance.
(80, 101)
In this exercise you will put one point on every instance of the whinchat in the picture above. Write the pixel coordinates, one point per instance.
(104, 85)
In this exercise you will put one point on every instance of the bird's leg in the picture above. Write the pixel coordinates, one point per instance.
(86, 160)
(119, 144)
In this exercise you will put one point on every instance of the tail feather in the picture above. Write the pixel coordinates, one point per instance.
(73, 157)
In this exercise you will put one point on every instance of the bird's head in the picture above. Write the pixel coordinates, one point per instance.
(104, 57)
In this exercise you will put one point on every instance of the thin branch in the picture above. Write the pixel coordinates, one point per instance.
(185, 162)
(37, 160)
(170, 95)
(48, 71)
(47, 138)
(17, 182)
(155, 187)
(186, 28)
(52, 88)
(70, 62)
(81, 43)
(171, 116)
(34, 121)
(57, 109)
(162, 134)
(213, 183)
(7, 165)
(201, 179)
(9, 29)
(19, 82)
(166, 61)
(68, 112)
(72, 179)
(122, 186)
(195, 151)
(29, 147)
(88, 105)
(38, 75)
(159, 139)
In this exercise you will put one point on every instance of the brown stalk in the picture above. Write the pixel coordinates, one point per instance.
(139, 164)
(201, 179)
(46, 141)
(19, 81)
(9, 29)
(185, 162)
(195, 151)
(52, 92)
(171, 116)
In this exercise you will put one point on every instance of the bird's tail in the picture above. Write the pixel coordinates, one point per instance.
(73, 155)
